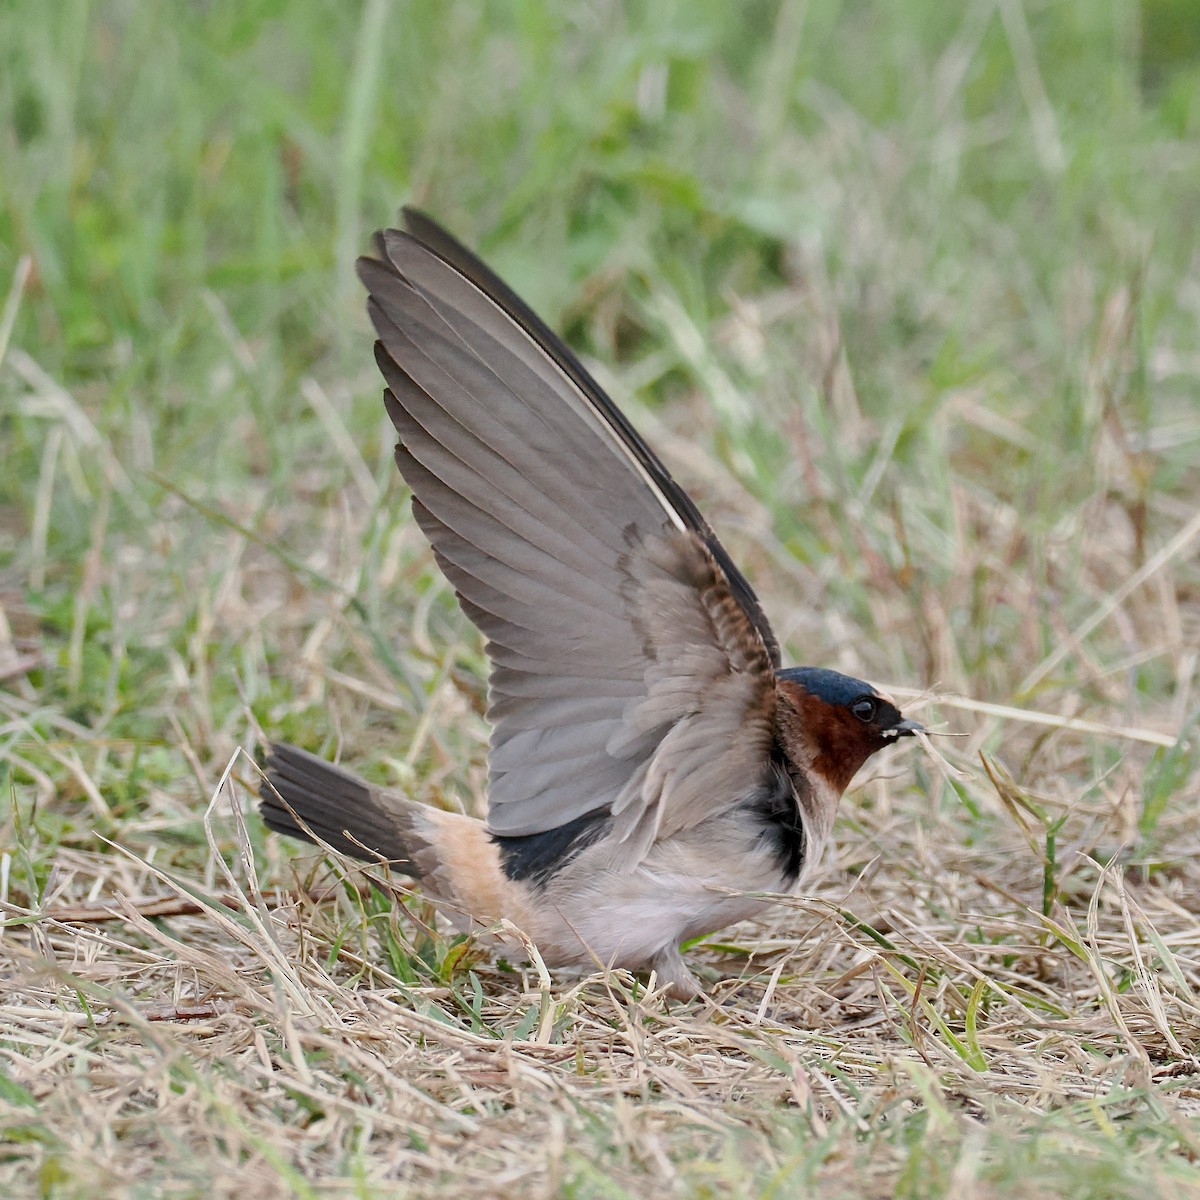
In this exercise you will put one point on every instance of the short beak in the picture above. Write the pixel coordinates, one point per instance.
(907, 728)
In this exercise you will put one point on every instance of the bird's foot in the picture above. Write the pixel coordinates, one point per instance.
(670, 969)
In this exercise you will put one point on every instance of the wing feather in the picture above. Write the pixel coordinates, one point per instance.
(430, 235)
(631, 663)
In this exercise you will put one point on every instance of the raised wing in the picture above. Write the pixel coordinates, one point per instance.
(631, 662)
(431, 235)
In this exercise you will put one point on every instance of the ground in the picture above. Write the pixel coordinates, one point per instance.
(905, 295)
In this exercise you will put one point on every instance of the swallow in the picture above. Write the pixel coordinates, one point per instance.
(654, 772)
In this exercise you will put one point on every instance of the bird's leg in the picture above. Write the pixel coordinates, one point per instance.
(670, 969)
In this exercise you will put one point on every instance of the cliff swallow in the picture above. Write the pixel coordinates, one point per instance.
(653, 769)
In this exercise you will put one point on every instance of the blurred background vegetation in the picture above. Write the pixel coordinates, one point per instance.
(907, 295)
(906, 204)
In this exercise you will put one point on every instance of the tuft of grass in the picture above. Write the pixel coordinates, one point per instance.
(905, 298)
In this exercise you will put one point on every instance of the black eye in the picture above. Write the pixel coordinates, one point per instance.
(864, 709)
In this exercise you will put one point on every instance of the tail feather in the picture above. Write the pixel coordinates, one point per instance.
(308, 798)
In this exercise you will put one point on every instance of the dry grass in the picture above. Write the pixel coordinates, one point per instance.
(983, 956)
(933, 372)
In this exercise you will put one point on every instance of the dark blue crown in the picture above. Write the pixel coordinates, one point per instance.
(831, 686)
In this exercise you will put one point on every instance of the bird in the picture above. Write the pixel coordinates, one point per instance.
(654, 772)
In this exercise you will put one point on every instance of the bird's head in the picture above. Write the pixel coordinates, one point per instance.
(833, 723)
